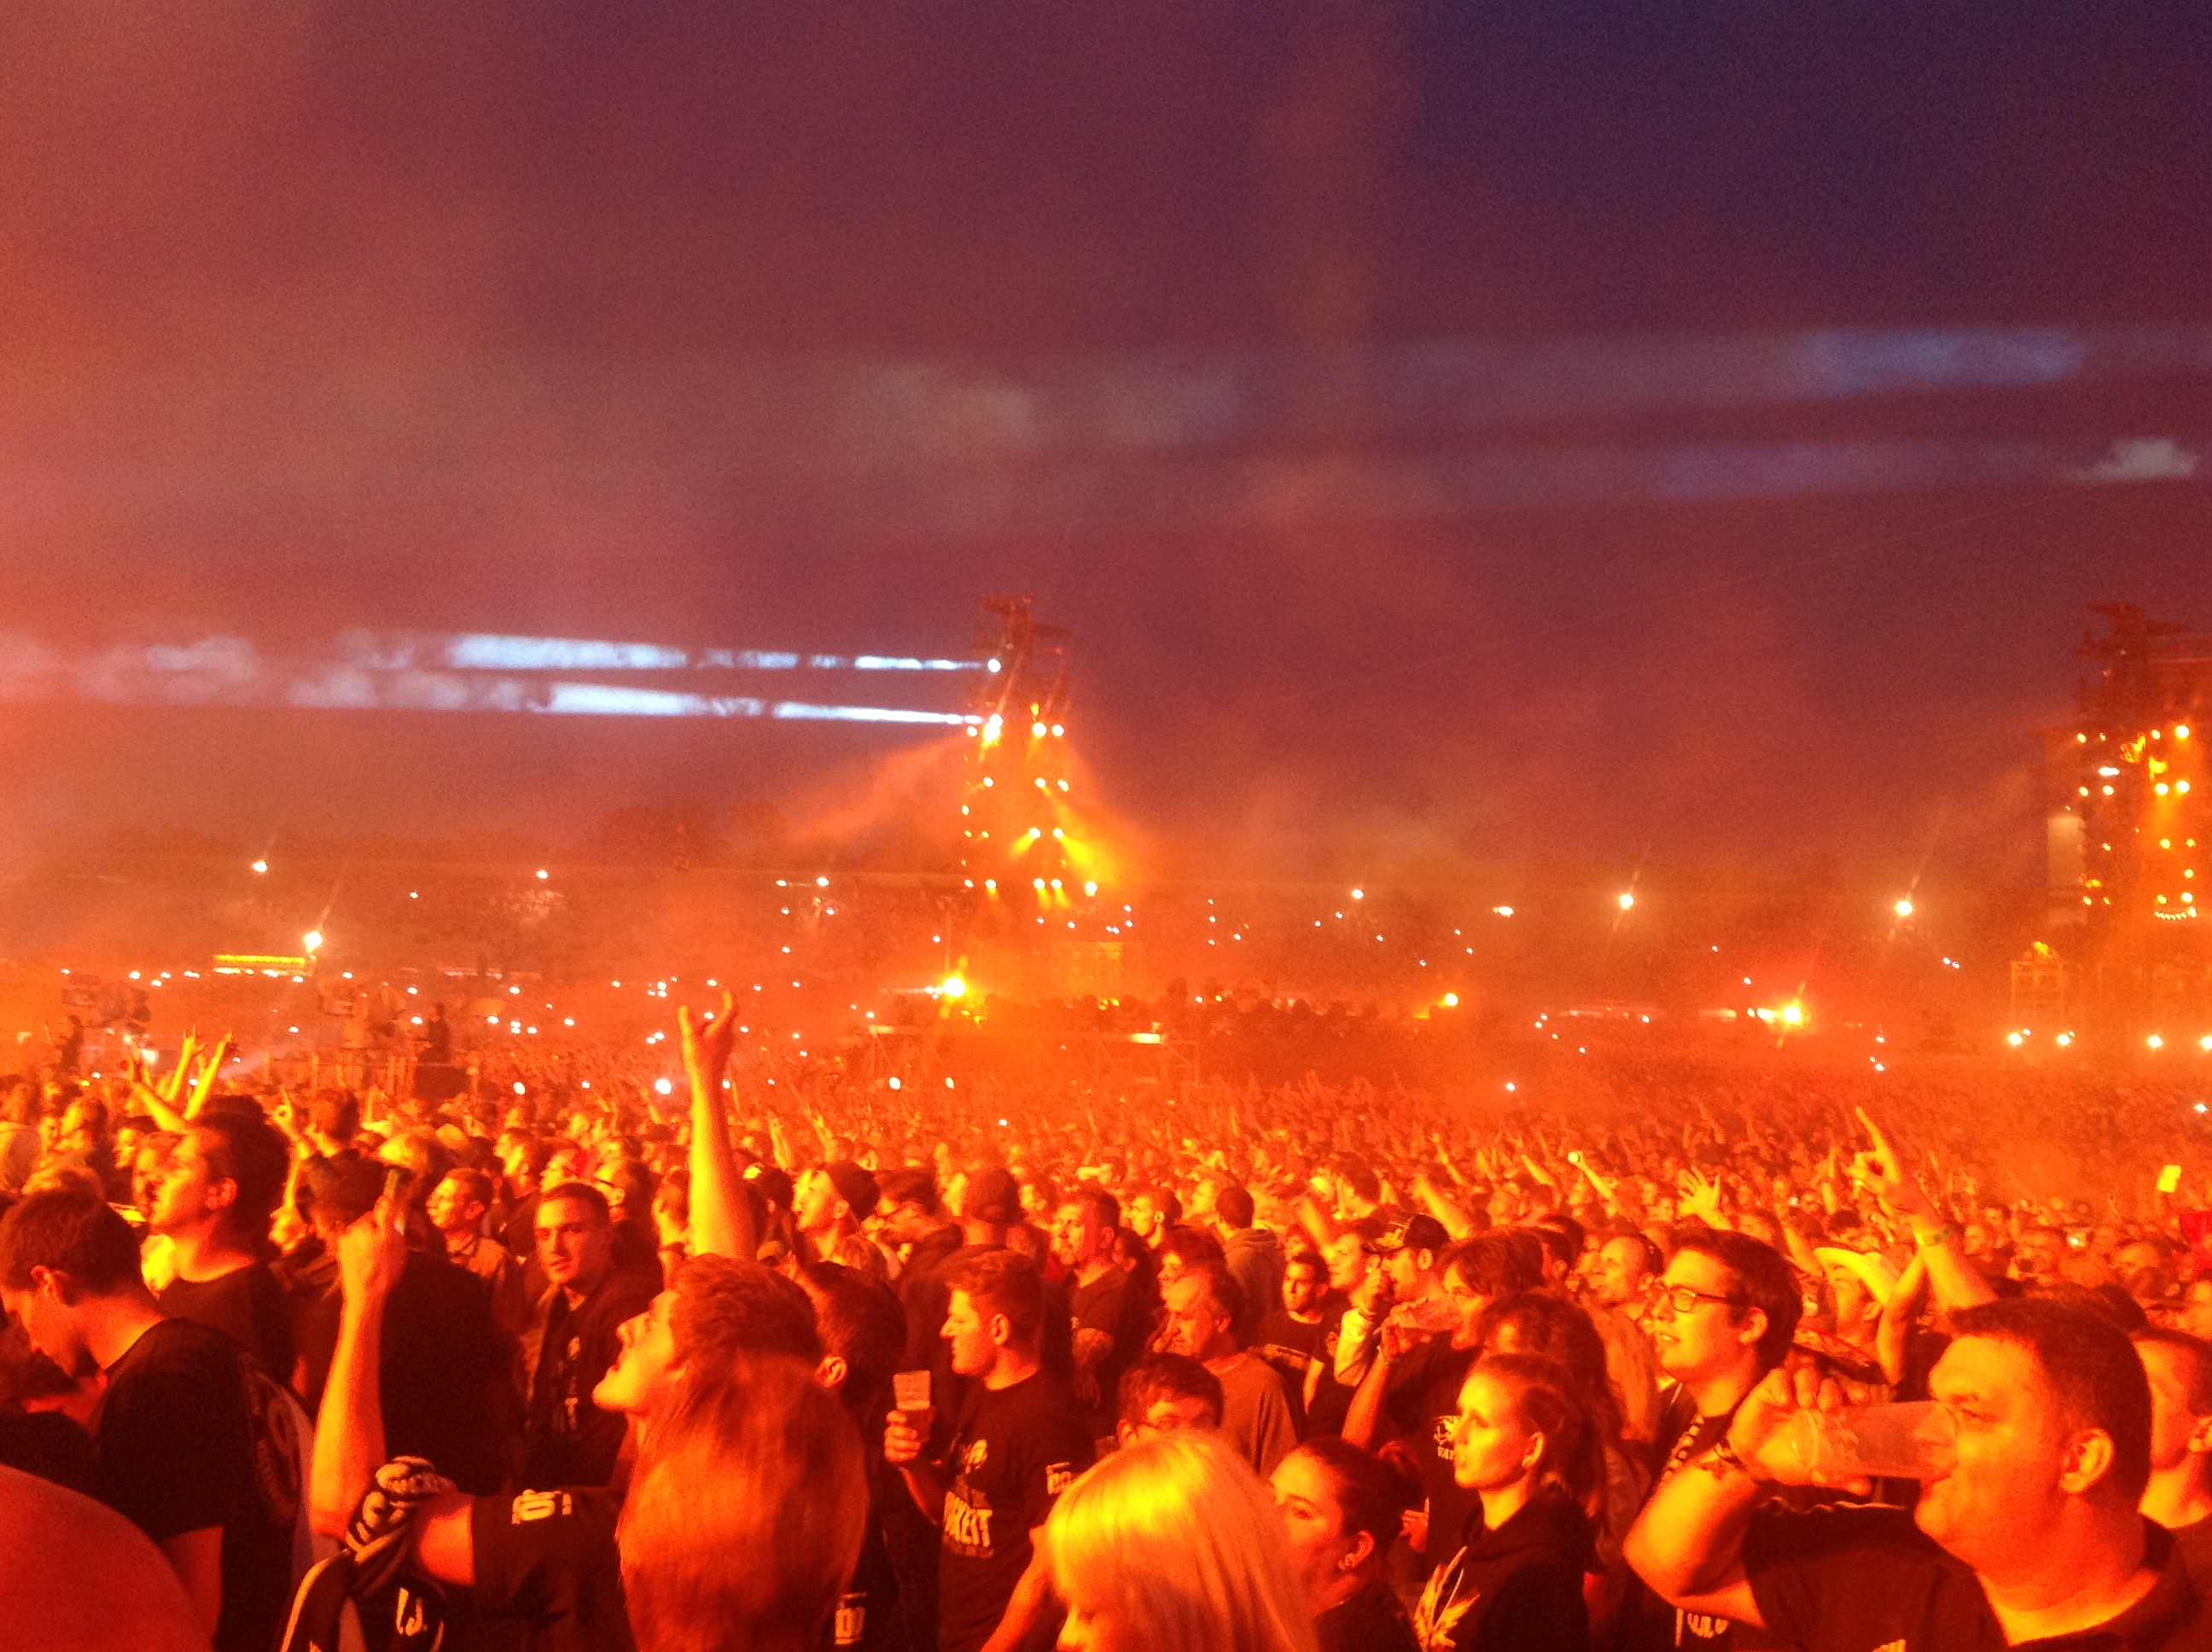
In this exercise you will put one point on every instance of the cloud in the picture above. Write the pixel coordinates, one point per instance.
(2142, 459)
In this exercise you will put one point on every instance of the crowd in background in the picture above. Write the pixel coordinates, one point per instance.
(568, 1362)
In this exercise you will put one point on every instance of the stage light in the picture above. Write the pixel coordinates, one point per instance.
(1451, 1000)
(261, 866)
(2013, 1039)
(661, 1086)
(1036, 883)
(1627, 899)
(991, 666)
(2155, 1042)
(2181, 731)
(2064, 1039)
(1793, 1013)
(1359, 895)
(2205, 1043)
(1037, 729)
(1060, 728)
(954, 987)
(893, 1081)
(1903, 909)
(312, 940)
(543, 874)
(1503, 911)
(822, 883)
(1090, 889)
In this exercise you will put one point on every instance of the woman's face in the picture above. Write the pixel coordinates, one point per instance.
(1088, 1629)
(1313, 1520)
(1490, 1449)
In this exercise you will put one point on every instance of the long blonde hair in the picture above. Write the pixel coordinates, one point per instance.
(1177, 1541)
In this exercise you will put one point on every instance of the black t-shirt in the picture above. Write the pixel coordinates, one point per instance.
(1014, 1450)
(443, 1376)
(1423, 1402)
(248, 1305)
(2192, 1548)
(1648, 1623)
(869, 1615)
(1846, 1580)
(569, 1441)
(549, 1558)
(1291, 1345)
(174, 1452)
(1102, 1305)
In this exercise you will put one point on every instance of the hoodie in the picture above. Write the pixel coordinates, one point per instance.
(1254, 1260)
(1517, 1590)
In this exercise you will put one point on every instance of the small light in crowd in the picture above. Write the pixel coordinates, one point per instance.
(2013, 1039)
(1793, 1013)
(1359, 895)
(1903, 909)
(2155, 1042)
(1508, 1084)
(312, 939)
(991, 666)
(1451, 1000)
(1037, 729)
(948, 1083)
(954, 986)
(1627, 899)
(1090, 889)
(261, 866)
(822, 883)
(894, 1082)
(2205, 1043)
(542, 873)
(521, 1088)
(661, 1086)
(2064, 1039)
(1503, 911)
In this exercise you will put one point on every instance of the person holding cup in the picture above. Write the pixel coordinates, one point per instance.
(2032, 1534)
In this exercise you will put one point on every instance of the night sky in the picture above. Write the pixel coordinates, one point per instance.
(1479, 433)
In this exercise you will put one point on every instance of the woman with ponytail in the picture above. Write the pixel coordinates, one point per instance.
(1522, 1445)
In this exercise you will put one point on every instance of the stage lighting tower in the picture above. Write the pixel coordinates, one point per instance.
(1021, 854)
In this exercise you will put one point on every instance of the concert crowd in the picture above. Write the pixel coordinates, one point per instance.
(1671, 1355)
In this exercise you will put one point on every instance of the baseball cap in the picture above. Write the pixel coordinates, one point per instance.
(853, 1184)
(1412, 1233)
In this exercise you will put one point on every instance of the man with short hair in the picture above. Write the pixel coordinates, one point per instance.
(1106, 1331)
(567, 1439)
(219, 1189)
(456, 1208)
(173, 1433)
(1294, 1336)
(1621, 1270)
(1018, 1444)
(1166, 1394)
(1255, 1411)
(2032, 1535)
(2179, 1494)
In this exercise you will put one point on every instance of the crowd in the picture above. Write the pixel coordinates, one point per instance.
(840, 1363)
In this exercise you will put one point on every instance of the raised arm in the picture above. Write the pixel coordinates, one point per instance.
(722, 1223)
(1956, 1282)
(349, 1427)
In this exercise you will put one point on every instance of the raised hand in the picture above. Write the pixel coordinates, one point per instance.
(706, 1045)
(1881, 1168)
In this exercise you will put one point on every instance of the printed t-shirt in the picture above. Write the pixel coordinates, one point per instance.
(549, 1558)
(1014, 1450)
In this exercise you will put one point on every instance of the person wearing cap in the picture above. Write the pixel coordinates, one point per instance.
(1408, 1249)
(1860, 1284)
(828, 1203)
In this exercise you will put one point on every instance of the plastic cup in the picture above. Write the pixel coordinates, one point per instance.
(1431, 1315)
(910, 1390)
(1914, 1442)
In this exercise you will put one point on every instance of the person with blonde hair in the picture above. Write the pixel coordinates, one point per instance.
(1173, 1542)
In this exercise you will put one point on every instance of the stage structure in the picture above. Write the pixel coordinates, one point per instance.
(2129, 833)
(1039, 921)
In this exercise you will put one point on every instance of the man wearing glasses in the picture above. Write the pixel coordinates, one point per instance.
(1721, 1318)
